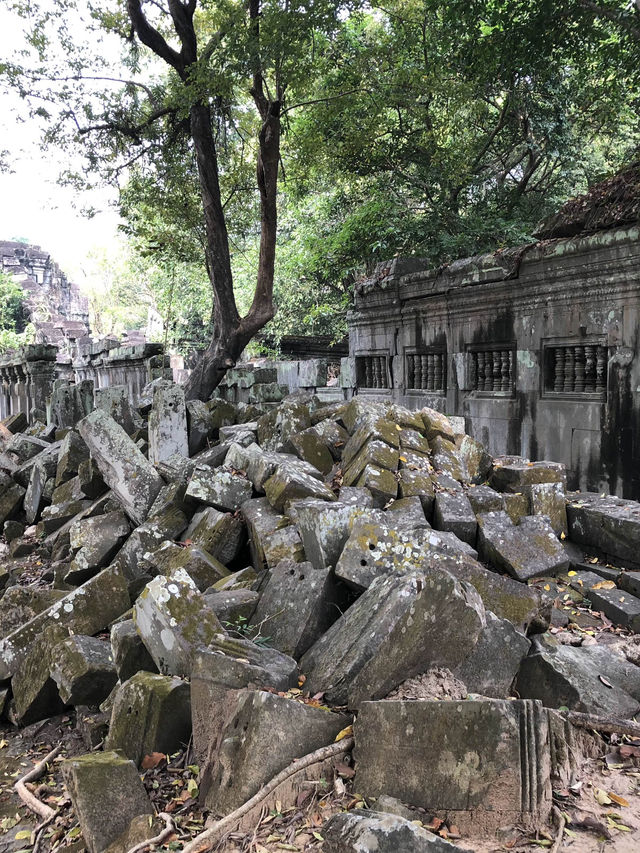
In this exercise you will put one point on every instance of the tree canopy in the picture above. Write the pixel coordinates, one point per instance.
(349, 132)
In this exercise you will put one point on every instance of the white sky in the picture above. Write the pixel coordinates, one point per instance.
(32, 205)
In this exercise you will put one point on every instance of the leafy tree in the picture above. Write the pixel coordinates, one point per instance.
(214, 54)
(12, 313)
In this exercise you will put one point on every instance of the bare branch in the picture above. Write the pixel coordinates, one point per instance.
(150, 37)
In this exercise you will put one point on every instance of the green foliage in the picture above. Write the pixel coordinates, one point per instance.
(14, 329)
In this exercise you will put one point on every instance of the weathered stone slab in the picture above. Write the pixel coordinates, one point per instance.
(233, 607)
(454, 514)
(609, 524)
(199, 425)
(297, 605)
(476, 461)
(25, 447)
(130, 476)
(373, 452)
(275, 731)
(221, 488)
(332, 435)
(151, 713)
(525, 551)
(22, 603)
(549, 499)
(381, 483)
(86, 610)
(11, 496)
(620, 606)
(416, 483)
(283, 544)
(401, 626)
(95, 541)
(146, 539)
(203, 569)
(374, 549)
(485, 499)
(220, 534)
(485, 763)
(114, 402)
(407, 512)
(360, 830)
(34, 493)
(276, 428)
(73, 451)
(435, 423)
(289, 482)
(377, 430)
(130, 654)
(447, 459)
(107, 794)
(325, 527)
(560, 675)
(512, 473)
(35, 693)
(172, 618)
(313, 449)
(494, 662)
(261, 520)
(83, 669)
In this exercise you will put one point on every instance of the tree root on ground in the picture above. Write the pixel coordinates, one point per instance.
(205, 839)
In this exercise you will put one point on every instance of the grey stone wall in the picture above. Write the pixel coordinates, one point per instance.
(537, 347)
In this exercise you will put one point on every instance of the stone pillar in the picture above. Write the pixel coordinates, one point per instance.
(168, 424)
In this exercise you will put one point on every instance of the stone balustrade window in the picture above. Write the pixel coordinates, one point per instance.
(492, 369)
(575, 368)
(427, 371)
(371, 371)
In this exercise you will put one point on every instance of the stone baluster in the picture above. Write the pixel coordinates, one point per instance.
(438, 374)
(505, 373)
(496, 384)
(558, 376)
(411, 371)
(569, 371)
(480, 360)
(430, 372)
(579, 368)
(377, 372)
(368, 372)
(590, 369)
(601, 370)
(418, 372)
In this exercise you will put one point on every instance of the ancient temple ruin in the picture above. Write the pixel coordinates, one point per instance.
(536, 347)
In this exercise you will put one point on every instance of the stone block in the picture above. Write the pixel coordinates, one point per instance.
(203, 569)
(475, 459)
(325, 527)
(619, 606)
(11, 497)
(516, 506)
(332, 435)
(172, 618)
(416, 483)
(261, 520)
(560, 675)
(57, 516)
(73, 451)
(129, 653)
(289, 483)
(34, 494)
(455, 514)
(283, 544)
(407, 512)
(549, 499)
(220, 534)
(233, 607)
(437, 424)
(629, 582)
(313, 449)
(35, 693)
(378, 429)
(608, 524)
(485, 499)
(276, 428)
(525, 551)
(130, 476)
(374, 452)
(83, 669)
(146, 539)
(401, 626)
(275, 731)
(355, 496)
(493, 664)
(297, 605)
(485, 763)
(382, 484)
(86, 610)
(22, 603)
(512, 473)
(48, 457)
(199, 425)
(374, 549)
(221, 488)
(312, 373)
(168, 424)
(107, 794)
(412, 439)
(94, 541)
(446, 458)
(150, 713)
(358, 831)
(25, 447)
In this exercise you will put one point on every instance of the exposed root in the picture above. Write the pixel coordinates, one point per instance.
(557, 844)
(608, 725)
(160, 838)
(31, 802)
(205, 840)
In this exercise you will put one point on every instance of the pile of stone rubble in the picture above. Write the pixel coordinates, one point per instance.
(202, 569)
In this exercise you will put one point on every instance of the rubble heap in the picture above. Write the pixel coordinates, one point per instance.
(252, 576)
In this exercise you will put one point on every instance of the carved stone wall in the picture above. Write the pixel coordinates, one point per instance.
(536, 347)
